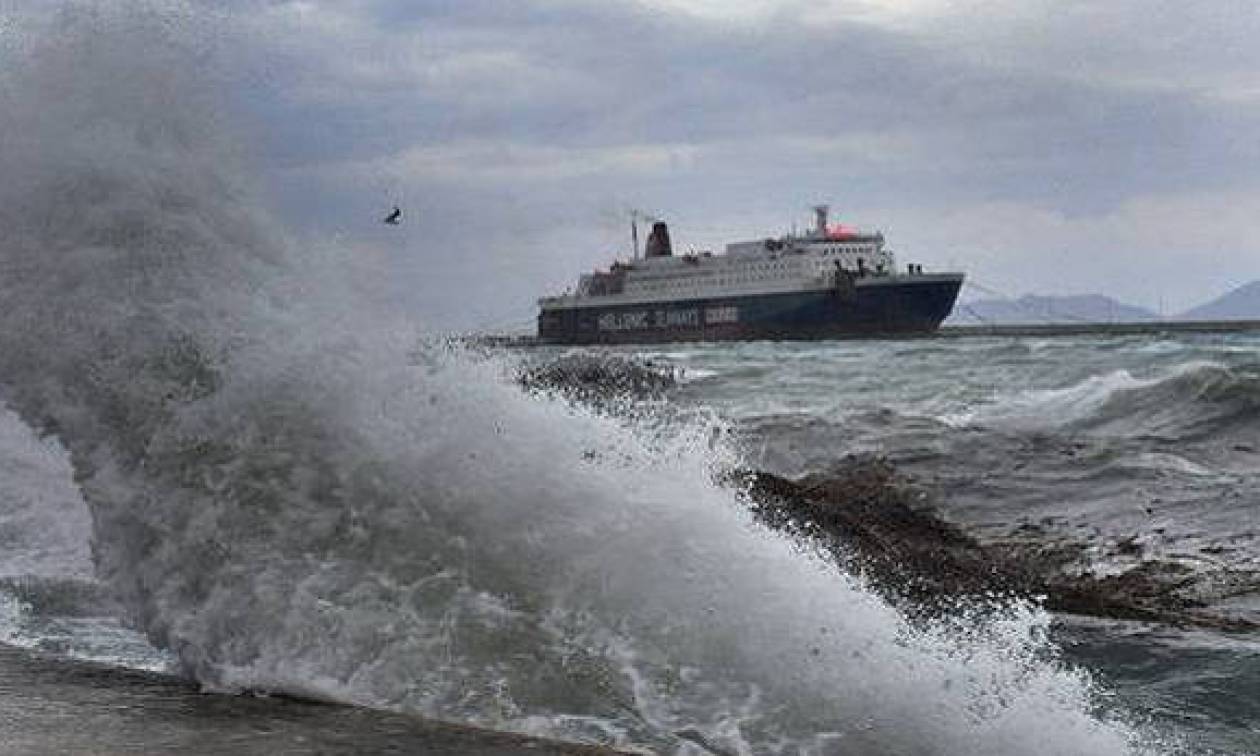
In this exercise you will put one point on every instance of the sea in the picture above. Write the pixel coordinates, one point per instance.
(222, 464)
(528, 563)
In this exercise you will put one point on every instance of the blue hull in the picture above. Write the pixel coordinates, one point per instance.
(905, 305)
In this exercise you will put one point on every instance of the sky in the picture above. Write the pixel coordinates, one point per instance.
(1047, 146)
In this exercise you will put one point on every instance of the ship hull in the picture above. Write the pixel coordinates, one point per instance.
(888, 306)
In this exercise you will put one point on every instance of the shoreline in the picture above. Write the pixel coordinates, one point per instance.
(51, 704)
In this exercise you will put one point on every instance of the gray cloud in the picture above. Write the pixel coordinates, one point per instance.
(516, 130)
(382, 77)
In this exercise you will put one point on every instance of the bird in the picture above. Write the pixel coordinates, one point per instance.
(394, 217)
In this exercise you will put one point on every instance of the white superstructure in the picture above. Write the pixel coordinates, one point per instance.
(790, 263)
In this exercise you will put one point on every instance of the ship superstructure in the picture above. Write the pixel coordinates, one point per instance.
(831, 281)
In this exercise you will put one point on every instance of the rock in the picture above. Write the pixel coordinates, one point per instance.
(865, 515)
(598, 380)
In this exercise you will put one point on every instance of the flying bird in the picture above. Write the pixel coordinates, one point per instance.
(395, 217)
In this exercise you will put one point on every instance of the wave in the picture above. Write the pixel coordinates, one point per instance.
(291, 496)
(1194, 401)
(1037, 408)
(1189, 401)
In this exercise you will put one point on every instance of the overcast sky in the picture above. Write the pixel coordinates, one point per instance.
(1049, 146)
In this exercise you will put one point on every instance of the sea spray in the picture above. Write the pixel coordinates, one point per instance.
(44, 524)
(291, 497)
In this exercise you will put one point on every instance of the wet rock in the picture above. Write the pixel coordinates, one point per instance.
(877, 525)
(862, 514)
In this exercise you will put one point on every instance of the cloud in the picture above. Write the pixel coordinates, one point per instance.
(535, 121)
(618, 76)
(1167, 252)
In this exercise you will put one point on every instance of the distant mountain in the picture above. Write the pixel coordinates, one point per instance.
(1087, 308)
(1242, 303)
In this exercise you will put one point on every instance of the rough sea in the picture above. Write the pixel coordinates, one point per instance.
(1143, 450)
(218, 462)
(618, 596)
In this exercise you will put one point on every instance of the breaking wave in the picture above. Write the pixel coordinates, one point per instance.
(1193, 401)
(1187, 402)
(291, 496)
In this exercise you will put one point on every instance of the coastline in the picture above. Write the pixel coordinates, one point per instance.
(52, 704)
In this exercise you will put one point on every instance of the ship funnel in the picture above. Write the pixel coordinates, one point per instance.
(658, 242)
(820, 212)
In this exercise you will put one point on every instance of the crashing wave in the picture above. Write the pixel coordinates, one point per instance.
(291, 498)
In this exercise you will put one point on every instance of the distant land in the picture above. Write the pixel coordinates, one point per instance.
(1032, 308)
(1242, 303)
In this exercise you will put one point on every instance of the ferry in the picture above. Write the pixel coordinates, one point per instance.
(833, 281)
